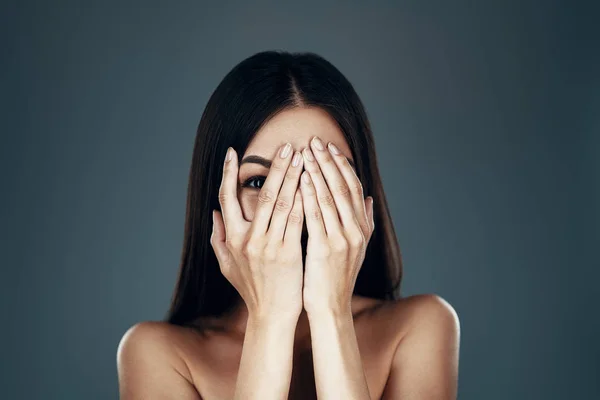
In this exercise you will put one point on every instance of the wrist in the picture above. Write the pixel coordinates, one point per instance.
(319, 305)
(329, 312)
(268, 311)
(273, 319)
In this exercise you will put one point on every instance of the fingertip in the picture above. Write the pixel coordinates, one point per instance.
(231, 155)
(306, 177)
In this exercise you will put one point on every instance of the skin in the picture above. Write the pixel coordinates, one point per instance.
(335, 344)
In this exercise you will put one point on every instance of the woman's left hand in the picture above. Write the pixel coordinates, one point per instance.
(339, 224)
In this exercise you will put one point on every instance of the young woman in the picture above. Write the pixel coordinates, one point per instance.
(290, 287)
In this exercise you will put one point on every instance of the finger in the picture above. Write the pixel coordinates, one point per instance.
(217, 241)
(230, 205)
(312, 211)
(324, 197)
(270, 191)
(293, 230)
(353, 183)
(337, 185)
(371, 217)
(285, 200)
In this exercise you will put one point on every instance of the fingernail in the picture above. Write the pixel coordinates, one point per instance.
(308, 154)
(228, 155)
(285, 151)
(296, 159)
(318, 144)
(333, 148)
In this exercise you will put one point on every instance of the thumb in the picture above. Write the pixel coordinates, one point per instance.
(217, 238)
(370, 214)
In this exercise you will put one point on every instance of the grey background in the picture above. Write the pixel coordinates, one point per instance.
(486, 119)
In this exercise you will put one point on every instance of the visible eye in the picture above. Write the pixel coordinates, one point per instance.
(248, 182)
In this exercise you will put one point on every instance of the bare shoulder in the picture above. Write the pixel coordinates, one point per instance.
(425, 360)
(418, 312)
(151, 336)
(150, 362)
(420, 307)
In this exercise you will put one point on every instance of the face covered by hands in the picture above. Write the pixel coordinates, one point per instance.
(336, 216)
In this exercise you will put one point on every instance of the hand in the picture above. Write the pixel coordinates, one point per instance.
(336, 243)
(263, 263)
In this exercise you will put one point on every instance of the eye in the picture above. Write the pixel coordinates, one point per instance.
(248, 182)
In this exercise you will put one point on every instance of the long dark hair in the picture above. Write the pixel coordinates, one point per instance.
(255, 90)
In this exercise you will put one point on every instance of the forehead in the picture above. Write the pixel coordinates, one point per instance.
(297, 126)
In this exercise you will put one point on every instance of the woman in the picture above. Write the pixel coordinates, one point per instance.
(298, 294)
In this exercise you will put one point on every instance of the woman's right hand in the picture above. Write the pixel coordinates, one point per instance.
(263, 262)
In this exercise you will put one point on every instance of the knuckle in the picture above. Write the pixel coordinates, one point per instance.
(223, 196)
(326, 199)
(231, 243)
(357, 239)
(283, 204)
(250, 248)
(343, 190)
(315, 214)
(295, 218)
(357, 188)
(340, 245)
(265, 196)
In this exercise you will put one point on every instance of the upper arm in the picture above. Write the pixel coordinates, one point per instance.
(425, 363)
(149, 367)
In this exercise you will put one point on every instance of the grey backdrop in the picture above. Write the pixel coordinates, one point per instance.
(486, 119)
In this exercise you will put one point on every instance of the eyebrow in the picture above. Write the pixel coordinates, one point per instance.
(265, 162)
